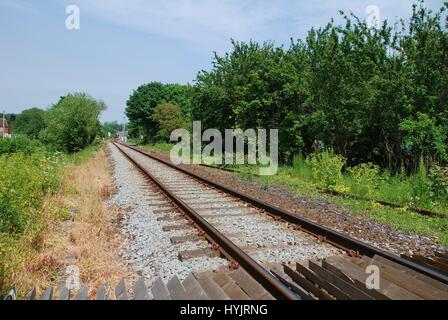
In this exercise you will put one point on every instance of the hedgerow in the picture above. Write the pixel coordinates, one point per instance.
(25, 181)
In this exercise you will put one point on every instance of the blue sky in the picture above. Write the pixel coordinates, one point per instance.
(125, 43)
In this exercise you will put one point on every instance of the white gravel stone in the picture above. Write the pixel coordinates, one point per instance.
(278, 241)
(147, 248)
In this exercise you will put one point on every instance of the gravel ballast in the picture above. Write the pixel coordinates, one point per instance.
(266, 240)
(324, 212)
(147, 248)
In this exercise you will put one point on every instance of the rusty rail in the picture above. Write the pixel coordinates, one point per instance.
(333, 237)
(423, 212)
(264, 277)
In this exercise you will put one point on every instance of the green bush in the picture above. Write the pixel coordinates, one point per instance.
(19, 144)
(439, 178)
(24, 182)
(366, 178)
(421, 186)
(168, 117)
(326, 168)
(72, 123)
(30, 122)
(300, 167)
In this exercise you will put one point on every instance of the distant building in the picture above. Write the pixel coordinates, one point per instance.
(123, 136)
(4, 128)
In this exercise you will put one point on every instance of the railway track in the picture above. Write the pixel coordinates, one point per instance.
(291, 257)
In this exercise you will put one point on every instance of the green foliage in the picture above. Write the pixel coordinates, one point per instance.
(11, 118)
(25, 180)
(72, 123)
(300, 166)
(439, 178)
(371, 95)
(111, 127)
(143, 101)
(19, 144)
(30, 122)
(168, 117)
(326, 168)
(254, 86)
(421, 185)
(424, 136)
(366, 178)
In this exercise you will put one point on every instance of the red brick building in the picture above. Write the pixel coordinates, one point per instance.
(4, 128)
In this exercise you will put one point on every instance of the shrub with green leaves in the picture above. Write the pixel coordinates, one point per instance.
(366, 177)
(168, 117)
(24, 182)
(19, 144)
(300, 167)
(30, 122)
(439, 178)
(421, 186)
(326, 168)
(72, 123)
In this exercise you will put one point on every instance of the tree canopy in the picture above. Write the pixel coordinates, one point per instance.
(168, 117)
(112, 127)
(372, 95)
(30, 122)
(375, 95)
(73, 122)
(143, 101)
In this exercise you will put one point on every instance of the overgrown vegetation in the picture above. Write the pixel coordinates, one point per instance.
(21, 144)
(72, 123)
(30, 122)
(371, 95)
(168, 117)
(31, 164)
(417, 190)
(26, 181)
(111, 128)
(142, 105)
(365, 108)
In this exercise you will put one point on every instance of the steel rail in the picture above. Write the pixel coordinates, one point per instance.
(264, 277)
(335, 238)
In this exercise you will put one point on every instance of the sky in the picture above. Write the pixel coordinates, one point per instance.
(122, 44)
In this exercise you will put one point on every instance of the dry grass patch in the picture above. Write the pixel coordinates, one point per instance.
(88, 237)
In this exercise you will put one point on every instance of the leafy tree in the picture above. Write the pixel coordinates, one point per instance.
(141, 104)
(112, 127)
(424, 136)
(30, 122)
(143, 101)
(72, 123)
(252, 87)
(179, 95)
(371, 95)
(376, 95)
(19, 144)
(168, 117)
